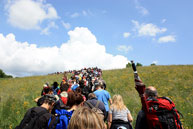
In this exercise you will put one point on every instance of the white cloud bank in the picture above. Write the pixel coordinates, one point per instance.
(29, 14)
(81, 50)
(165, 39)
(148, 29)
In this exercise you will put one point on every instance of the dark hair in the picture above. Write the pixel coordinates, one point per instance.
(46, 90)
(74, 98)
(151, 93)
(64, 87)
(78, 90)
(55, 85)
(49, 99)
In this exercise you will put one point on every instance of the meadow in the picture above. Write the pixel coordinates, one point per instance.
(176, 82)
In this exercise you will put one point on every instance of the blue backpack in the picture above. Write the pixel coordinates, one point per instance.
(60, 120)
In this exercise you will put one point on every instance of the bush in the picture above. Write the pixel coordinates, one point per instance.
(153, 64)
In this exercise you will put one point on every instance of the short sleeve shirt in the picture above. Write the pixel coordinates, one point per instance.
(119, 114)
(103, 96)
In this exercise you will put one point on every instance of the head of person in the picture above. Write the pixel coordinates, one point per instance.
(55, 85)
(99, 85)
(49, 100)
(91, 96)
(85, 118)
(151, 92)
(64, 87)
(74, 99)
(118, 102)
(48, 90)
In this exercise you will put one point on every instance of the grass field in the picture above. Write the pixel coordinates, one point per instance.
(176, 82)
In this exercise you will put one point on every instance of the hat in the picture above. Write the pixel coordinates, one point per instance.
(50, 97)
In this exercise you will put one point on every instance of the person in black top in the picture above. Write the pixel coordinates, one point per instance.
(38, 117)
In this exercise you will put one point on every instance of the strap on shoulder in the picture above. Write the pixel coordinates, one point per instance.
(89, 104)
(97, 105)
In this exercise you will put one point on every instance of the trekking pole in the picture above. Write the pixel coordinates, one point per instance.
(139, 86)
(136, 76)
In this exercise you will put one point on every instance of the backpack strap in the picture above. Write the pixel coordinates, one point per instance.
(97, 104)
(54, 121)
(89, 104)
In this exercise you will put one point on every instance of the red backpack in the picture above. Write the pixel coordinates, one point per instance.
(162, 114)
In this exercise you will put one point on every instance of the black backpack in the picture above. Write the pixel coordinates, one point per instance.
(31, 117)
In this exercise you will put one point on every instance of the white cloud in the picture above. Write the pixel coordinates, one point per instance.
(140, 8)
(66, 25)
(147, 29)
(126, 34)
(46, 31)
(165, 39)
(75, 15)
(29, 14)
(124, 48)
(163, 20)
(155, 62)
(81, 50)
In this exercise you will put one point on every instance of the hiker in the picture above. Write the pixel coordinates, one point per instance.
(55, 88)
(85, 118)
(119, 115)
(46, 88)
(38, 117)
(62, 97)
(168, 117)
(92, 102)
(103, 96)
(63, 115)
(157, 112)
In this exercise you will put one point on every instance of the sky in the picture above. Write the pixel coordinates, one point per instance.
(38, 37)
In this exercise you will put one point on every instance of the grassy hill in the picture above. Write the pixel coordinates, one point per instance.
(176, 82)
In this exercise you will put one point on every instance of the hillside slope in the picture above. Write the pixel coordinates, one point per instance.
(176, 82)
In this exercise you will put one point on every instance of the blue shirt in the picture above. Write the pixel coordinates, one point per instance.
(103, 96)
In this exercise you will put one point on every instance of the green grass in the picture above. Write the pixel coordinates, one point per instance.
(176, 82)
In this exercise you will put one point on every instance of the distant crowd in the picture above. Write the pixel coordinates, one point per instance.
(81, 101)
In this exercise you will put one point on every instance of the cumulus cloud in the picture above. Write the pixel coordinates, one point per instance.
(29, 14)
(66, 25)
(165, 39)
(148, 29)
(126, 34)
(124, 48)
(81, 50)
(46, 31)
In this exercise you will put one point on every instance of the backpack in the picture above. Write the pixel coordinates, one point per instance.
(96, 109)
(60, 120)
(162, 114)
(31, 117)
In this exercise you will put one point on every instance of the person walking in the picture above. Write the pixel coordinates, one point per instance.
(119, 115)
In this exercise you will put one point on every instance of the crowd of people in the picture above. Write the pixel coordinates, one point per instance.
(82, 102)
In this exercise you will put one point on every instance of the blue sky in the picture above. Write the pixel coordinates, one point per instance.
(43, 36)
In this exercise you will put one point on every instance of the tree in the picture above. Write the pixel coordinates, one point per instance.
(128, 65)
(3, 75)
(139, 64)
(153, 64)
